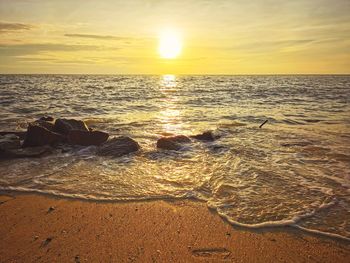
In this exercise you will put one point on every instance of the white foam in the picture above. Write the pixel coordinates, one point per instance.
(287, 222)
(322, 233)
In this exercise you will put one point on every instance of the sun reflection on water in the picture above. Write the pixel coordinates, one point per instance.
(168, 82)
(170, 115)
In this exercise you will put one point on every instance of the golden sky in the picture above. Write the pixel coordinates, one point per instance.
(218, 36)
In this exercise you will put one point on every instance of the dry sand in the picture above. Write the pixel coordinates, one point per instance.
(38, 228)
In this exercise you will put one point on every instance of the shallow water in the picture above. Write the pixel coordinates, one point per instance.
(295, 170)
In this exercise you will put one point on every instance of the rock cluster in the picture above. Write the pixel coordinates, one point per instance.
(43, 135)
(176, 142)
(46, 133)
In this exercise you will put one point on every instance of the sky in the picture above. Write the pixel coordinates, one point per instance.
(218, 37)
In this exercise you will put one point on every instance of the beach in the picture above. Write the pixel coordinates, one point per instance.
(43, 228)
(174, 131)
(174, 168)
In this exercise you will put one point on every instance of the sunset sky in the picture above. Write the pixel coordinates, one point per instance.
(218, 37)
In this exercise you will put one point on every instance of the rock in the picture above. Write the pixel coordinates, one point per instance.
(64, 126)
(39, 136)
(47, 125)
(118, 146)
(25, 152)
(46, 118)
(87, 138)
(20, 134)
(179, 139)
(205, 136)
(9, 141)
(163, 143)
(172, 142)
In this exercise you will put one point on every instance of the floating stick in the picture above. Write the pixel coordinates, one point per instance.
(263, 123)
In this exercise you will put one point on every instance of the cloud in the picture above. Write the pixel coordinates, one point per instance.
(103, 37)
(8, 27)
(29, 49)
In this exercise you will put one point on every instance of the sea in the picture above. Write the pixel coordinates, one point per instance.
(293, 171)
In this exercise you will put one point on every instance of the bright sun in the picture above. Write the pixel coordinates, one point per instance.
(169, 45)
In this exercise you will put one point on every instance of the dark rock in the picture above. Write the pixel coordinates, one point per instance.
(205, 136)
(46, 118)
(9, 141)
(172, 142)
(163, 143)
(87, 138)
(39, 136)
(118, 146)
(25, 152)
(179, 139)
(20, 134)
(64, 126)
(47, 125)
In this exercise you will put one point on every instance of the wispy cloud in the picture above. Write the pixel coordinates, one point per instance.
(103, 37)
(27, 49)
(8, 27)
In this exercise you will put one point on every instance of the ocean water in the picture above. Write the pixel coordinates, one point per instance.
(293, 171)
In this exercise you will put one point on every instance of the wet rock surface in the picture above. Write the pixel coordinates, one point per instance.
(46, 124)
(205, 136)
(64, 126)
(38, 135)
(87, 138)
(172, 142)
(118, 146)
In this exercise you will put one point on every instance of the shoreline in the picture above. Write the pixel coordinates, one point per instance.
(45, 228)
(267, 226)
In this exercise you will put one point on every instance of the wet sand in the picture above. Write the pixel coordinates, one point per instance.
(40, 228)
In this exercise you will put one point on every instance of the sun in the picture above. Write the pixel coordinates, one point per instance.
(169, 45)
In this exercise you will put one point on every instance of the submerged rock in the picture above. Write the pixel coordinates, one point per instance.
(179, 139)
(64, 126)
(87, 138)
(172, 142)
(118, 146)
(38, 136)
(9, 141)
(205, 136)
(25, 152)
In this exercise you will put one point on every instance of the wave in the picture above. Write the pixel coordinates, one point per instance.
(264, 225)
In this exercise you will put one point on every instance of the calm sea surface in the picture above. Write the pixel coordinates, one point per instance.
(293, 171)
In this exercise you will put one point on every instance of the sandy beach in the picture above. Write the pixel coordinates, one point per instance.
(174, 131)
(38, 228)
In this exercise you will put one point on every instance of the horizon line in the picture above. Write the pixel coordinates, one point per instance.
(187, 74)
